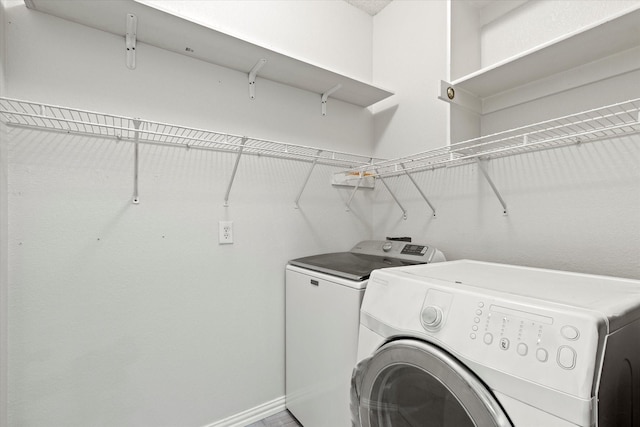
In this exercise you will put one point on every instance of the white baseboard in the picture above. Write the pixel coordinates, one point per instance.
(252, 415)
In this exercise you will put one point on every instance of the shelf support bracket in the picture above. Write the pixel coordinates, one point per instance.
(493, 186)
(404, 211)
(353, 192)
(326, 96)
(460, 97)
(419, 189)
(130, 40)
(235, 169)
(306, 181)
(252, 77)
(136, 139)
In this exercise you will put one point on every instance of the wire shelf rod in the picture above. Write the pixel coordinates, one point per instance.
(514, 149)
(306, 181)
(633, 106)
(233, 174)
(509, 150)
(413, 181)
(598, 123)
(29, 114)
(394, 163)
(404, 211)
(337, 163)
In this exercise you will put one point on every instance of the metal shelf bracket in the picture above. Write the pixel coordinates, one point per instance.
(130, 40)
(136, 159)
(306, 181)
(419, 189)
(235, 169)
(457, 96)
(493, 186)
(404, 211)
(353, 192)
(326, 95)
(252, 77)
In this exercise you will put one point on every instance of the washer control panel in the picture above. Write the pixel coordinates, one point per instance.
(411, 252)
(417, 250)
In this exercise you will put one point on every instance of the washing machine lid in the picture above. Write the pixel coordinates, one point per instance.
(408, 381)
(369, 255)
(348, 265)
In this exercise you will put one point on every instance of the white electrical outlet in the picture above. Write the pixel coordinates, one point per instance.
(225, 232)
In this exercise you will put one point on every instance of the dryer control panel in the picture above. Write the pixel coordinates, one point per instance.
(544, 344)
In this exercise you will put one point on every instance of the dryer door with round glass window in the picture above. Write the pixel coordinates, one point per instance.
(409, 383)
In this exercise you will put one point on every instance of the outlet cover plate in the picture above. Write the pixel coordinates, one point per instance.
(225, 232)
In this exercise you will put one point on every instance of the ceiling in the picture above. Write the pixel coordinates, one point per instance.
(370, 6)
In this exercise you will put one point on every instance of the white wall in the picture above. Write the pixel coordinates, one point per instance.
(133, 315)
(576, 208)
(410, 51)
(4, 339)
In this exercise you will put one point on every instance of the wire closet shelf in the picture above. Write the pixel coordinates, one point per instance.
(611, 121)
(69, 120)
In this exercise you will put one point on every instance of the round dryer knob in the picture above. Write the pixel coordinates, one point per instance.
(431, 317)
(387, 246)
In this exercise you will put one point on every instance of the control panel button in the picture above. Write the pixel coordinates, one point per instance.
(522, 349)
(504, 344)
(387, 246)
(566, 357)
(542, 355)
(431, 317)
(488, 338)
(472, 336)
(570, 332)
(479, 312)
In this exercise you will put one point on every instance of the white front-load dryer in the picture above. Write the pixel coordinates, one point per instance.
(467, 343)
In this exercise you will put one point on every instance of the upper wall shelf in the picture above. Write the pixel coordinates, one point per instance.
(612, 36)
(167, 31)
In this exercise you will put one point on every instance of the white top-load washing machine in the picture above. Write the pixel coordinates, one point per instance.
(323, 297)
(467, 343)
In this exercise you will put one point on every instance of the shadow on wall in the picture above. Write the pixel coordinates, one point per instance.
(381, 120)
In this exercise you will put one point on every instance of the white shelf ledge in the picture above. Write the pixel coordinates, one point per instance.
(613, 36)
(174, 33)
